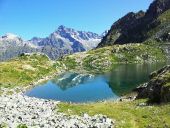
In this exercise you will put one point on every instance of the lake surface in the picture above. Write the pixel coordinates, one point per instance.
(78, 87)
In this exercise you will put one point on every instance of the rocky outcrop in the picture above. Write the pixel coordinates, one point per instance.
(18, 109)
(121, 27)
(157, 7)
(138, 27)
(158, 87)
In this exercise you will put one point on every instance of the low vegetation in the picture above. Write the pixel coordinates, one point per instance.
(103, 59)
(24, 70)
(153, 111)
(28, 68)
(130, 114)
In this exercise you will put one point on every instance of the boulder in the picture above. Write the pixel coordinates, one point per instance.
(158, 87)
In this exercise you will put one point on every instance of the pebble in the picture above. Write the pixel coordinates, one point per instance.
(33, 112)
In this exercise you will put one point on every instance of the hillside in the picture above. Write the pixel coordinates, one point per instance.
(24, 70)
(141, 26)
(32, 67)
(103, 59)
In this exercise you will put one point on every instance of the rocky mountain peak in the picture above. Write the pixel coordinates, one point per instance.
(9, 37)
(140, 26)
(72, 33)
(128, 19)
(35, 39)
(88, 40)
(157, 8)
(63, 29)
(62, 41)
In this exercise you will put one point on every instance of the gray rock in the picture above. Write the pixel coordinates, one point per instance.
(19, 109)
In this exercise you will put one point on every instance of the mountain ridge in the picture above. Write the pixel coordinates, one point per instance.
(136, 27)
(60, 42)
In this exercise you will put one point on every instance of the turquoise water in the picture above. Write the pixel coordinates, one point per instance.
(77, 87)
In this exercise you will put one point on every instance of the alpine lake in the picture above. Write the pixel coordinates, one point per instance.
(82, 87)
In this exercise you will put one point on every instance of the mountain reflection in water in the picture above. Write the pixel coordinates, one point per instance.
(79, 87)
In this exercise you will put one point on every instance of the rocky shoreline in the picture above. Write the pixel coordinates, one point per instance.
(157, 89)
(19, 109)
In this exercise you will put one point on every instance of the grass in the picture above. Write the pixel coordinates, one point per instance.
(103, 59)
(126, 114)
(24, 70)
(69, 62)
(22, 126)
(165, 17)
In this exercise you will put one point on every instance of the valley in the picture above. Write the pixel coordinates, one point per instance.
(73, 78)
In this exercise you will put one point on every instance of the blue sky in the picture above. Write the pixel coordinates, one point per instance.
(29, 18)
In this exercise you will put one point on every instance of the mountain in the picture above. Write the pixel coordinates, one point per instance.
(141, 26)
(12, 45)
(66, 41)
(77, 40)
(89, 40)
(63, 41)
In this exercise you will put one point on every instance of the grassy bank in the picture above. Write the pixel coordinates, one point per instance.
(129, 114)
(25, 69)
(103, 59)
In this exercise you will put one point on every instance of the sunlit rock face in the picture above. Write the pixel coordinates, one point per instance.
(62, 41)
(66, 41)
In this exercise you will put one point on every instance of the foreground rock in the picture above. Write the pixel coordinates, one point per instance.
(158, 88)
(18, 109)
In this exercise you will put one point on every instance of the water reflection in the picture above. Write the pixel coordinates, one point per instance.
(126, 77)
(70, 79)
(77, 87)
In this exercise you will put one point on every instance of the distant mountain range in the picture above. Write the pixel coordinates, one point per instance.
(141, 26)
(154, 24)
(63, 41)
(12, 45)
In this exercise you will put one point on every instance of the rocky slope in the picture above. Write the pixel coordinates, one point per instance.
(103, 59)
(62, 41)
(139, 27)
(22, 111)
(28, 68)
(158, 87)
